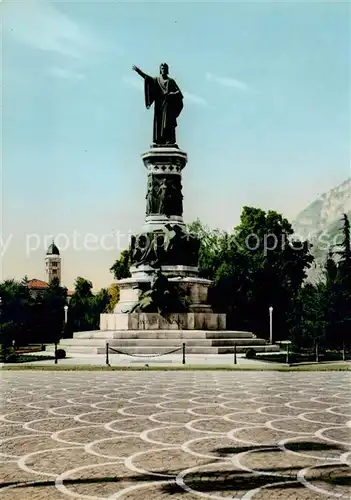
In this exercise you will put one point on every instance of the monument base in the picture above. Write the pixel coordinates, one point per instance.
(184, 277)
(154, 321)
(160, 341)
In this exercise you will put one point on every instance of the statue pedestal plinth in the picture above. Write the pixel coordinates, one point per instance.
(194, 287)
(154, 321)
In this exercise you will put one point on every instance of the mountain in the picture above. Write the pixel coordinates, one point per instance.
(320, 223)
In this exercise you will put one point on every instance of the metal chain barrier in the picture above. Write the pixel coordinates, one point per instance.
(108, 349)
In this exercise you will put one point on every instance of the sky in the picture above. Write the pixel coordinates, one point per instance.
(266, 118)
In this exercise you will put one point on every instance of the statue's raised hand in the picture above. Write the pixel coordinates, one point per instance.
(138, 70)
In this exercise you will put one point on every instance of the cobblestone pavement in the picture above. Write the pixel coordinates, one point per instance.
(183, 435)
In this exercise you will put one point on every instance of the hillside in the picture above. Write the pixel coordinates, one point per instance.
(320, 223)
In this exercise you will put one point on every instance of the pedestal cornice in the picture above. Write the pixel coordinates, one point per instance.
(165, 160)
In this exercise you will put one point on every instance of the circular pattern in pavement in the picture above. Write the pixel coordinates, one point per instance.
(184, 435)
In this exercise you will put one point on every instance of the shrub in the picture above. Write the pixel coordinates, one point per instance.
(12, 358)
(250, 353)
(60, 354)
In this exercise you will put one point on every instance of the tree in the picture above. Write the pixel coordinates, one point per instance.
(261, 266)
(15, 310)
(213, 246)
(113, 292)
(79, 317)
(85, 307)
(47, 313)
(101, 304)
(310, 311)
(344, 267)
(121, 268)
(338, 291)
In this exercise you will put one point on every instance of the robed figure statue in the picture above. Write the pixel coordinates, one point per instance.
(168, 104)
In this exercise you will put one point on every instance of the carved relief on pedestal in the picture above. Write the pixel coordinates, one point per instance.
(164, 195)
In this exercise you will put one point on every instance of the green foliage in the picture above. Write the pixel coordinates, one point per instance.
(15, 311)
(48, 312)
(259, 265)
(113, 293)
(213, 248)
(8, 333)
(323, 311)
(85, 307)
(60, 354)
(250, 353)
(12, 357)
(29, 319)
(120, 268)
(302, 357)
(322, 240)
(338, 291)
(310, 320)
(101, 301)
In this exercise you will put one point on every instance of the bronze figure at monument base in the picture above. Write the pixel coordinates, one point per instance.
(167, 247)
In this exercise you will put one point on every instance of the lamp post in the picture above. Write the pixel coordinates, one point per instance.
(66, 312)
(65, 309)
(271, 325)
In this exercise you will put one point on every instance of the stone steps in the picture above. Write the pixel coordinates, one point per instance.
(163, 334)
(167, 343)
(160, 341)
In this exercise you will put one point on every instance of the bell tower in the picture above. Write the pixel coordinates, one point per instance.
(53, 263)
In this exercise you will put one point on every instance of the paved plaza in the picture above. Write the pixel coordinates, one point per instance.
(183, 435)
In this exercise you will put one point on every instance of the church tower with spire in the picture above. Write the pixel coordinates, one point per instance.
(53, 263)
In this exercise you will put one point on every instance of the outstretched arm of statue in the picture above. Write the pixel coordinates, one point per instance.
(138, 70)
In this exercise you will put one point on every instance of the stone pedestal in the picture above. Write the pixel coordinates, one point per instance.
(154, 321)
(164, 244)
(195, 288)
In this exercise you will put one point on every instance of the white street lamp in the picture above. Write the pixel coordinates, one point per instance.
(271, 325)
(66, 311)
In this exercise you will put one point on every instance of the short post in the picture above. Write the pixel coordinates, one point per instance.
(287, 354)
(183, 361)
(107, 351)
(235, 361)
(343, 351)
(56, 352)
(317, 353)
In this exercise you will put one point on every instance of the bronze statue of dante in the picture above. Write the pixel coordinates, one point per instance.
(164, 93)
